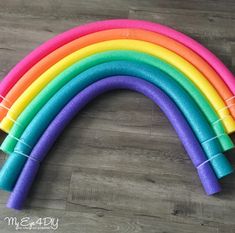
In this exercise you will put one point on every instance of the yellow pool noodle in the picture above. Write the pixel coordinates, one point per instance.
(122, 44)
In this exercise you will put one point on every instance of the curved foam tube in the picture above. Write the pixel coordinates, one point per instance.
(125, 33)
(188, 139)
(43, 97)
(190, 71)
(15, 162)
(25, 64)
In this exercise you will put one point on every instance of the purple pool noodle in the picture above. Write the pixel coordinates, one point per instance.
(188, 139)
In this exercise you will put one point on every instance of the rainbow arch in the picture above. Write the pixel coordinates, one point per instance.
(163, 64)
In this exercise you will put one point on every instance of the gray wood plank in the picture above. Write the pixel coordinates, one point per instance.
(127, 192)
(99, 222)
(195, 23)
(116, 150)
(72, 8)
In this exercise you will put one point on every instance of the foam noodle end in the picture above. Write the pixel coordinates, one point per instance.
(11, 170)
(221, 165)
(226, 142)
(18, 196)
(6, 124)
(231, 104)
(3, 112)
(8, 145)
(208, 179)
(229, 124)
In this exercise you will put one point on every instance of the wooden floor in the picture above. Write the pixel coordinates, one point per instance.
(119, 167)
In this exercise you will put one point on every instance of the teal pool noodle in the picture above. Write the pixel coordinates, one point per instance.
(196, 118)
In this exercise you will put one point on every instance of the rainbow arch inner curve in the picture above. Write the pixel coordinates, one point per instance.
(206, 174)
(40, 122)
(14, 77)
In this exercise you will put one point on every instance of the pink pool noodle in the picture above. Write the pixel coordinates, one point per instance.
(25, 64)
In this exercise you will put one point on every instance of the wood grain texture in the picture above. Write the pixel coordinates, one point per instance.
(119, 166)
